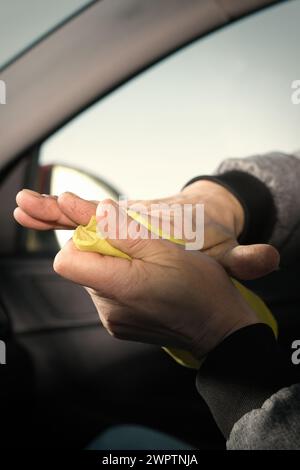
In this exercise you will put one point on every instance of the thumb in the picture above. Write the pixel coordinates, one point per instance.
(248, 262)
(125, 233)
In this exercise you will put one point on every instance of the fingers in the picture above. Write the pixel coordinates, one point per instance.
(248, 262)
(29, 222)
(44, 212)
(40, 212)
(76, 209)
(104, 274)
(68, 210)
(126, 234)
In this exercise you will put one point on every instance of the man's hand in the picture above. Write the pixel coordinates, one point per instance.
(165, 295)
(223, 223)
(224, 220)
(44, 212)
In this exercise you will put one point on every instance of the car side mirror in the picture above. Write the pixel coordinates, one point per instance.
(56, 179)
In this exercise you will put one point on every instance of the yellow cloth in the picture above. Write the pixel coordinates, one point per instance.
(86, 238)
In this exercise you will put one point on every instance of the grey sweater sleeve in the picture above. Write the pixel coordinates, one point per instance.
(281, 174)
(276, 425)
(250, 393)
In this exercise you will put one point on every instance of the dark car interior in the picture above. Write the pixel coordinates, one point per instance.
(66, 379)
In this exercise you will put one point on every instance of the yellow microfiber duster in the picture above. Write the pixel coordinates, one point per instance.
(86, 238)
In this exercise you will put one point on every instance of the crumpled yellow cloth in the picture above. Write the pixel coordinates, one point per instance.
(86, 238)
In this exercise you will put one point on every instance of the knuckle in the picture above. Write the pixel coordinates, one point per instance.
(107, 201)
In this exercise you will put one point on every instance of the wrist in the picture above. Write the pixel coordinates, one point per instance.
(226, 203)
(200, 349)
(223, 321)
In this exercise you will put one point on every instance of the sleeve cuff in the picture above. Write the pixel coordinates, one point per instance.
(241, 373)
(257, 202)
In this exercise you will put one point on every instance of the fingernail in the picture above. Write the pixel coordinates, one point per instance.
(32, 193)
(49, 195)
(71, 194)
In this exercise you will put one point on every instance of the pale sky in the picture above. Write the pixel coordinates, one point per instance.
(228, 94)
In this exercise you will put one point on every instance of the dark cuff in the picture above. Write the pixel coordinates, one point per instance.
(241, 373)
(257, 202)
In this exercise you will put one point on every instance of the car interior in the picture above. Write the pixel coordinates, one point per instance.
(66, 379)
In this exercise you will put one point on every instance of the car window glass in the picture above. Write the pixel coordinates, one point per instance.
(227, 95)
(24, 22)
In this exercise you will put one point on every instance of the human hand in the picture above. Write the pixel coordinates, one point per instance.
(44, 212)
(165, 295)
(224, 220)
(223, 223)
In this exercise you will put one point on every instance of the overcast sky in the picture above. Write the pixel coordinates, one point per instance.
(228, 94)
